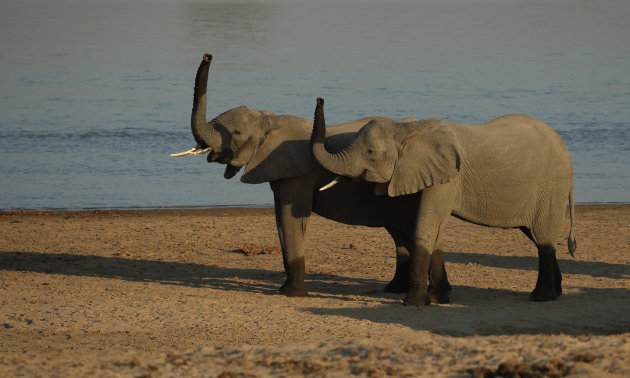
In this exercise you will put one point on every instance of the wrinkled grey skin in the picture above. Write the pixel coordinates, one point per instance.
(513, 172)
(275, 149)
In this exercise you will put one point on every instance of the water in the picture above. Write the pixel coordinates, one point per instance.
(95, 95)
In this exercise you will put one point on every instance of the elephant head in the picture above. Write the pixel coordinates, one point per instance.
(246, 137)
(400, 157)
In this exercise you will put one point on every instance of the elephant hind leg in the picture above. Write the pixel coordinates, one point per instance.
(400, 282)
(544, 232)
(549, 282)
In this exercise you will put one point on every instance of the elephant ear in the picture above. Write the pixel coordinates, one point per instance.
(429, 155)
(283, 152)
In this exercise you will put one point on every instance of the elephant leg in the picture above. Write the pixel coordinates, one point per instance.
(433, 214)
(557, 277)
(544, 232)
(292, 208)
(439, 287)
(549, 282)
(400, 282)
(418, 277)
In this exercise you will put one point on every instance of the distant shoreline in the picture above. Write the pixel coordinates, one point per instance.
(216, 210)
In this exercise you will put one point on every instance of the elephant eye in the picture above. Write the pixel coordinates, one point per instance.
(236, 132)
(370, 151)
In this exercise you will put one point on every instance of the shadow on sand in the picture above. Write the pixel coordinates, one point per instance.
(478, 311)
(178, 273)
(567, 265)
(473, 310)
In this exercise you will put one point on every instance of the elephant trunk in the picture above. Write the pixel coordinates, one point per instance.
(340, 163)
(200, 128)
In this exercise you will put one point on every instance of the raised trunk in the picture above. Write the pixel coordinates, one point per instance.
(200, 128)
(341, 163)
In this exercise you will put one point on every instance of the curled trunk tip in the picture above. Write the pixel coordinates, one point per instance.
(198, 122)
(319, 124)
(319, 113)
(340, 163)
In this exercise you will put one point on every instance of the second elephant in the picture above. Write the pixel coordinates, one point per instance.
(513, 172)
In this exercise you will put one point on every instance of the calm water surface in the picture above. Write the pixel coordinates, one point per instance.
(95, 95)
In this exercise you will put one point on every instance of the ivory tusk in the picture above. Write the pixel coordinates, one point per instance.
(193, 151)
(187, 152)
(334, 182)
(205, 150)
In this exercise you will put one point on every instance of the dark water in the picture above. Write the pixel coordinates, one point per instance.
(95, 95)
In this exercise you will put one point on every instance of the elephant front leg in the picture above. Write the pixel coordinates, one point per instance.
(291, 221)
(439, 287)
(427, 262)
(418, 277)
(294, 285)
(428, 266)
(291, 234)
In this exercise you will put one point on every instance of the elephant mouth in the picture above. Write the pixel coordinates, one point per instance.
(213, 157)
(369, 176)
(231, 171)
(224, 157)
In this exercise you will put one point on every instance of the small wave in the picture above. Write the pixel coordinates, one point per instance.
(592, 136)
(125, 133)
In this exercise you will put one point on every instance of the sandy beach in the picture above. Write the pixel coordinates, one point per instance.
(193, 292)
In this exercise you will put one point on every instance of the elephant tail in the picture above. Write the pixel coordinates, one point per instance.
(571, 240)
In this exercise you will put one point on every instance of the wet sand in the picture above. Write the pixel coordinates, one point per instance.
(172, 293)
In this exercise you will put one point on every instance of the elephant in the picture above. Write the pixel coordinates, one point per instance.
(275, 149)
(512, 172)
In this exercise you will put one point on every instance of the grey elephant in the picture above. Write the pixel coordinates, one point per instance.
(513, 172)
(274, 149)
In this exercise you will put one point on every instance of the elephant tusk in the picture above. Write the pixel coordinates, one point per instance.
(187, 152)
(204, 151)
(193, 151)
(334, 182)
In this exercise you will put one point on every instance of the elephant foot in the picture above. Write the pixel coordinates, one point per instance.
(397, 286)
(417, 297)
(440, 293)
(544, 295)
(291, 289)
(440, 297)
(422, 301)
